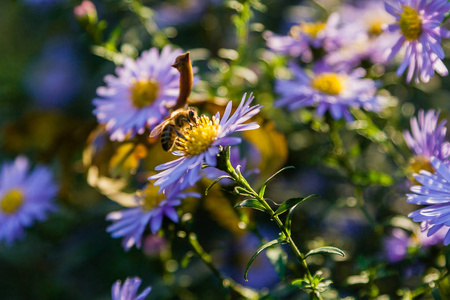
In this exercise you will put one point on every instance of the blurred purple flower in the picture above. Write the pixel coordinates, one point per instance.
(25, 196)
(184, 12)
(55, 77)
(434, 191)
(427, 137)
(304, 36)
(141, 94)
(395, 246)
(128, 290)
(151, 207)
(418, 29)
(203, 142)
(362, 36)
(328, 90)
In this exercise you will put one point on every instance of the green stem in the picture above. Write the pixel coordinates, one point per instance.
(226, 282)
(242, 182)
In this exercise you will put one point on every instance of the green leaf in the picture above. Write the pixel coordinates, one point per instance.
(326, 250)
(262, 191)
(278, 172)
(252, 203)
(261, 249)
(301, 283)
(290, 203)
(216, 181)
(263, 188)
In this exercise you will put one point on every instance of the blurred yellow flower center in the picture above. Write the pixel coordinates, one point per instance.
(416, 164)
(151, 198)
(144, 92)
(376, 28)
(328, 83)
(12, 201)
(311, 29)
(199, 138)
(410, 23)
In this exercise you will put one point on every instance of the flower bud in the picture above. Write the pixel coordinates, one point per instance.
(86, 13)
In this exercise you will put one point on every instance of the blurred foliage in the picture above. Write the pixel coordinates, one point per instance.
(357, 169)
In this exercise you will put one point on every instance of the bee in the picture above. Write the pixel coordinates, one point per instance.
(171, 128)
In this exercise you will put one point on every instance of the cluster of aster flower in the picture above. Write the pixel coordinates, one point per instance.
(431, 165)
(338, 48)
(137, 100)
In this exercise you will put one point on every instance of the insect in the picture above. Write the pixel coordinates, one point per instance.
(171, 128)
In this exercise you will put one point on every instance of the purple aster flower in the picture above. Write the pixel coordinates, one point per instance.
(361, 35)
(396, 245)
(328, 90)
(202, 143)
(151, 207)
(128, 290)
(418, 30)
(427, 137)
(141, 94)
(305, 35)
(434, 192)
(25, 196)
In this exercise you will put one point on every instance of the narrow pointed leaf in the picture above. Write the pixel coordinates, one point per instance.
(216, 181)
(278, 172)
(262, 191)
(261, 249)
(290, 203)
(301, 283)
(326, 250)
(252, 203)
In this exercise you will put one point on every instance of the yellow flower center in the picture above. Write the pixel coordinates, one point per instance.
(328, 83)
(376, 27)
(198, 138)
(311, 29)
(144, 92)
(410, 23)
(12, 201)
(150, 197)
(416, 164)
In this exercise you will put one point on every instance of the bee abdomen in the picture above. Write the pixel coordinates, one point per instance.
(167, 137)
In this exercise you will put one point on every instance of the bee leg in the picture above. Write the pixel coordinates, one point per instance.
(180, 135)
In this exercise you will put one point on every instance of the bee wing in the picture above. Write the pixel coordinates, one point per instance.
(157, 130)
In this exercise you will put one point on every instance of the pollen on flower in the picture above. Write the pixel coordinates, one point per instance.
(150, 197)
(410, 23)
(199, 138)
(12, 201)
(328, 83)
(311, 29)
(143, 92)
